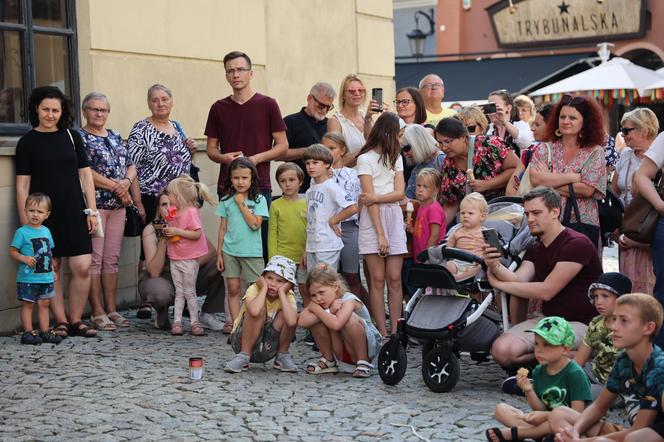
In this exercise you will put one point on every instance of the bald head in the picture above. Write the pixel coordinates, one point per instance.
(433, 92)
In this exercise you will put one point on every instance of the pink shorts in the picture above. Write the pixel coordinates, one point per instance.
(391, 218)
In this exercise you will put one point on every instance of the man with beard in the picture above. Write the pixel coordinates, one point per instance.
(558, 269)
(308, 126)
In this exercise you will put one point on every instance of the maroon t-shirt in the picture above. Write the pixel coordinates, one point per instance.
(245, 127)
(572, 301)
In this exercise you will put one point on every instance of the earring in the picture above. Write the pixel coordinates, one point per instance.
(558, 133)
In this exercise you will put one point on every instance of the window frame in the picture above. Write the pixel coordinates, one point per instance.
(27, 31)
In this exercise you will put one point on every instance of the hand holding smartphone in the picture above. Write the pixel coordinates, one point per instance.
(377, 96)
(493, 239)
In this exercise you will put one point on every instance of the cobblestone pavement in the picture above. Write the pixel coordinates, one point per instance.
(134, 384)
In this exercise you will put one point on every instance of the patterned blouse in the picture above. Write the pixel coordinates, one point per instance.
(490, 152)
(159, 157)
(611, 155)
(108, 157)
(590, 162)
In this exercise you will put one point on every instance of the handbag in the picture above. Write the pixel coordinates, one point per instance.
(525, 185)
(589, 230)
(133, 225)
(99, 233)
(611, 212)
(641, 218)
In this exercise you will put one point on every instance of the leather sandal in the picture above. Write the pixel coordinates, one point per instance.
(82, 329)
(118, 319)
(103, 323)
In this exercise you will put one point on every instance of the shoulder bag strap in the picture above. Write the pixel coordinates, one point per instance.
(85, 201)
(572, 203)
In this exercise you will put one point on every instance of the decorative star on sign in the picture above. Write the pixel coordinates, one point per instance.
(564, 8)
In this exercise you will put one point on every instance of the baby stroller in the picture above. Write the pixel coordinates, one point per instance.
(448, 320)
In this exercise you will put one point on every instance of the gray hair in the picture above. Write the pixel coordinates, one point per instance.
(430, 75)
(94, 95)
(422, 144)
(159, 87)
(323, 88)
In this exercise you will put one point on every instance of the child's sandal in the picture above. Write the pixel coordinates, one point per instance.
(323, 366)
(362, 369)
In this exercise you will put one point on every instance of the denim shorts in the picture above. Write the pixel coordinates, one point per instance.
(33, 291)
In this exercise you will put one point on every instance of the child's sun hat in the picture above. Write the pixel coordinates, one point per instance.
(283, 267)
(555, 330)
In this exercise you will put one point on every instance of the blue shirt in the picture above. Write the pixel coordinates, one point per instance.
(240, 239)
(37, 242)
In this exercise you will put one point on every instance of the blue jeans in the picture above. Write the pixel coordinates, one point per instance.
(657, 249)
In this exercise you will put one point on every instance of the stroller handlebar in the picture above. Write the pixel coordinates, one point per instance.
(438, 253)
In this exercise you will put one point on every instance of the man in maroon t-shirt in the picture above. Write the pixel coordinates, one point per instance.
(558, 269)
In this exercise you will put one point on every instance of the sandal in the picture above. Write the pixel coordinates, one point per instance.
(196, 329)
(144, 311)
(61, 329)
(119, 320)
(499, 434)
(228, 328)
(362, 369)
(103, 323)
(323, 366)
(177, 329)
(81, 329)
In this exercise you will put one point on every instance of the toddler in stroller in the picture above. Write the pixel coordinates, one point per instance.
(448, 320)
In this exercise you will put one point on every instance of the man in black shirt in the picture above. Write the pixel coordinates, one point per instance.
(308, 126)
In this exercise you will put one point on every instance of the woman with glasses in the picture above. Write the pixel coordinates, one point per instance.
(410, 106)
(505, 122)
(576, 132)
(639, 128)
(113, 173)
(489, 160)
(474, 119)
(420, 150)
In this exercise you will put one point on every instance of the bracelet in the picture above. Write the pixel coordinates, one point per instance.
(91, 212)
(130, 180)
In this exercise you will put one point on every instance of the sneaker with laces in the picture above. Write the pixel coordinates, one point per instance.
(238, 364)
(284, 362)
(209, 320)
(50, 337)
(31, 338)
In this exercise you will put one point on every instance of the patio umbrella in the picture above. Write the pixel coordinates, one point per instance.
(618, 75)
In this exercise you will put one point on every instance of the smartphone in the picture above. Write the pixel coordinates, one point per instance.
(492, 238)
(489, 108)
(159, 227)
(377, 96)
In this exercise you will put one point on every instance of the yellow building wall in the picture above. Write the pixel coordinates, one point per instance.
(124, 46)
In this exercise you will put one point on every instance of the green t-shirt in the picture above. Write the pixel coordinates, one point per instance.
(598, 338)
(287, 233)
(569, 384)
(240, 240)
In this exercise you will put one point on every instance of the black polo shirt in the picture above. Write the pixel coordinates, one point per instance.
(303, 131)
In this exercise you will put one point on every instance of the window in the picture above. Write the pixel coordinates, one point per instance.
(37, 48)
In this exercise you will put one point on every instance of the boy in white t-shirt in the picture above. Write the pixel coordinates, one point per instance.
(327, 207)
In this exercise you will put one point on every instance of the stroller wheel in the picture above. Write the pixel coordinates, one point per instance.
(392, 361)
(440, 372)
(427, 346)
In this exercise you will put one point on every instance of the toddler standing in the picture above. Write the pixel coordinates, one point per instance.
(430, 226)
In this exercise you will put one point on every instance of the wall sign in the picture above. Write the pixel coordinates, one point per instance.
(546, 22)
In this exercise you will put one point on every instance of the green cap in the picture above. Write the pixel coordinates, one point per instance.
(555, 330)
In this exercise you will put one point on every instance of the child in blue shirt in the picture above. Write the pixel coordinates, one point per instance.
(31, 248)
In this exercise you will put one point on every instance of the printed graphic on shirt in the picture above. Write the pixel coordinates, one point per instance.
(42, 252)
(554, 397)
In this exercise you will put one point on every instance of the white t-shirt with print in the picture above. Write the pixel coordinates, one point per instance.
(369, 163)
(324, 201)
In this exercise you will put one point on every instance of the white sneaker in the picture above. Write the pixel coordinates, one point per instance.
(209, 320)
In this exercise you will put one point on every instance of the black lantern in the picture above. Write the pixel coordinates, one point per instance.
(416, 37)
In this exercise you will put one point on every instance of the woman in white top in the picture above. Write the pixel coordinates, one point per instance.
(505, 123)
(382, 237)
(639, 129)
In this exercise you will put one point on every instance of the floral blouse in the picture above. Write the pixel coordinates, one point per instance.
(490, 153)
(159, 157)
(611, 155)
(108, 157)
(590, 162)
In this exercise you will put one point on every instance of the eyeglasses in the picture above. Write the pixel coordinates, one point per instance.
(356, 91)
(323, 106)
(404, 102)
(626, 130)
(407, 148)
(97, 110)
(237, 71)
(471, 128)
(432, 86)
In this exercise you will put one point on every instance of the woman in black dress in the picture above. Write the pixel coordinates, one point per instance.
(52, 159)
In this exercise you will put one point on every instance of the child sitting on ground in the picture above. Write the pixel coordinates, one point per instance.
(340, 323)
(557, 381)
(597, 344)
(637, 372)
(265, 326)
(473, 211)
(31, 248)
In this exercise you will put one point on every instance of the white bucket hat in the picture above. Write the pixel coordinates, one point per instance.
(283, 267)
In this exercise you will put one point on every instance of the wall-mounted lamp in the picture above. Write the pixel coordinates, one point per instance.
(416, 37)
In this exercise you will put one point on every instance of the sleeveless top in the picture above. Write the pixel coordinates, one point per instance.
(354, 138)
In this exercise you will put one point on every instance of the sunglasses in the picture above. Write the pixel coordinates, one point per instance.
(471, 128)
(570, 100)
(406, 148)
(626, 130)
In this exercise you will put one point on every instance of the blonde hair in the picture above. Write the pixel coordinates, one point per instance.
(433, 177)
(187, 191)
(644, 119)
(477, 199)
(337, 137)
(327, 276)
(472, 115)
(525, 101)
(649, 308)
(344, 84)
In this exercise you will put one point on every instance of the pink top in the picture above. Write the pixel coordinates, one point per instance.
(187, 219)
(426, 215)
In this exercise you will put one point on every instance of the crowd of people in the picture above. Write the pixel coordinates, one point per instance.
(371, 186)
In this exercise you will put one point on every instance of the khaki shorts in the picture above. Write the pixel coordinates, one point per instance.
(250, 268)
(301, 274)
(520, 332)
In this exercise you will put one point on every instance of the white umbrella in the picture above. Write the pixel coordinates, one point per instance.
(617, 73)
(659, 84)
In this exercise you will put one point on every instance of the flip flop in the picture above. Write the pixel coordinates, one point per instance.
(499, 434)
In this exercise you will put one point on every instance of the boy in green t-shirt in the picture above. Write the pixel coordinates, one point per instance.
(557, 381)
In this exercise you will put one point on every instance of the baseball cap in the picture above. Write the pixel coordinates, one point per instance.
(283, 267)
(555, 330)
